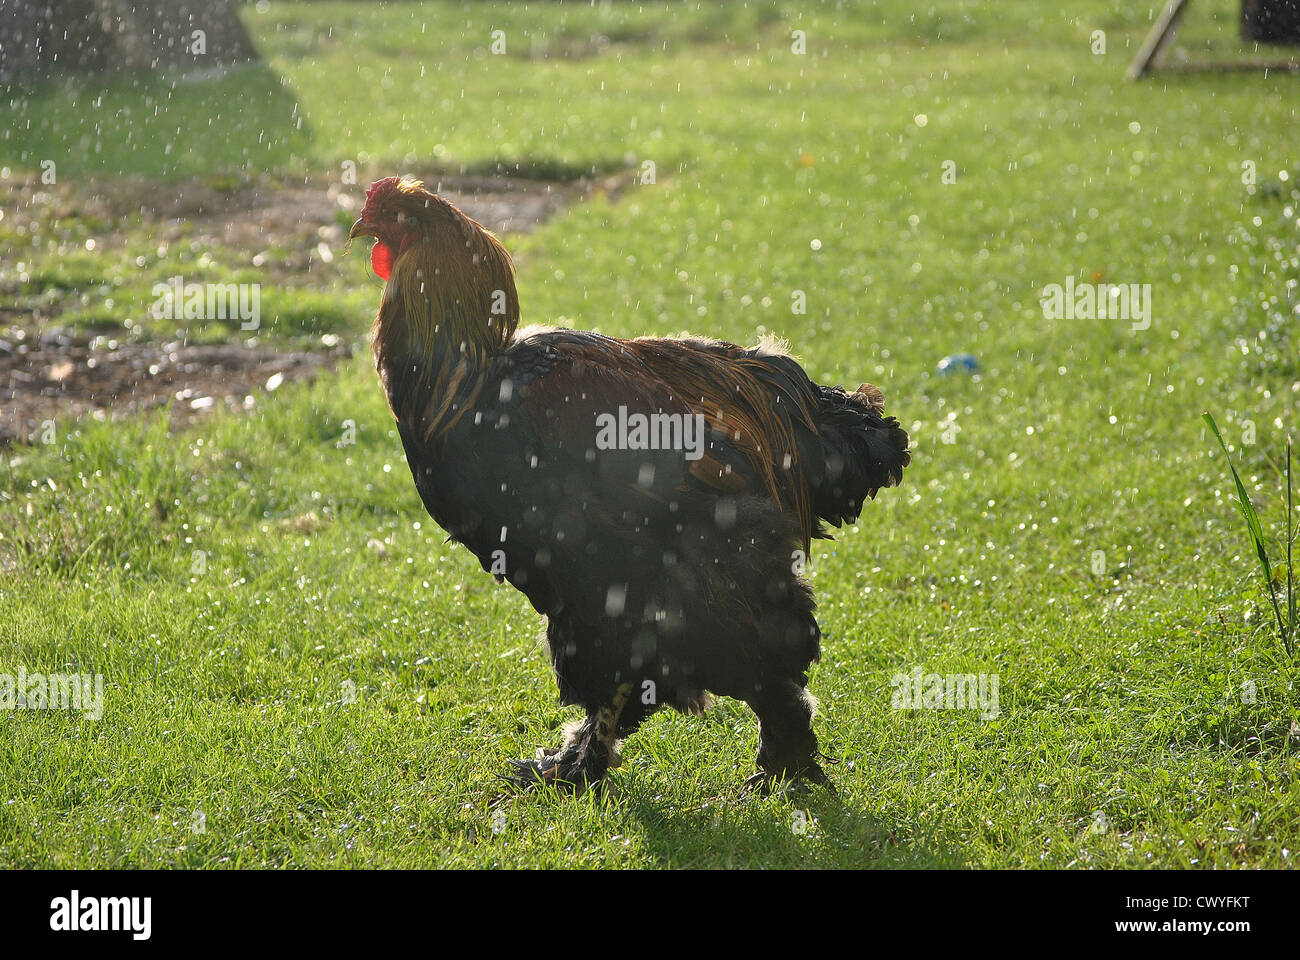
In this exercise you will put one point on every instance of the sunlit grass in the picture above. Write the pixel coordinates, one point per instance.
(337, 686)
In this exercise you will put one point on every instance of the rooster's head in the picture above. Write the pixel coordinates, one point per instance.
(397, 212)
(449, 279)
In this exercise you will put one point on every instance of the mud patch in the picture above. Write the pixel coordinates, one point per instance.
(291, 230)
(303, 220)
(60, 373)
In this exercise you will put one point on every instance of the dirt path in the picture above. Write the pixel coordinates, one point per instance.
(47, 372)
(63, 373)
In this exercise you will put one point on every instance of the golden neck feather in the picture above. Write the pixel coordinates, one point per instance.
(449, 307)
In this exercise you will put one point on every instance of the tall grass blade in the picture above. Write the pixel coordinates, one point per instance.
(1290, 567)
(1251, 517)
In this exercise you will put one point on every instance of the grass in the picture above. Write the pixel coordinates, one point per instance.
(1273, 582)
(331, 685)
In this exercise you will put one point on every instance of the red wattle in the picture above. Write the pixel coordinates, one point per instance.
(381, 259)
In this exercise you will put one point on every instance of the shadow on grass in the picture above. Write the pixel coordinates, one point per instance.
(162, 125)
(816, 831)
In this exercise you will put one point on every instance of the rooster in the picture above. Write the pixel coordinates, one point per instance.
(654, 499)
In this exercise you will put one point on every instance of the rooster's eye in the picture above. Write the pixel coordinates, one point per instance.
(400, 216)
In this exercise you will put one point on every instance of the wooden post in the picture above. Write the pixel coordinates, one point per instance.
(1161, 34)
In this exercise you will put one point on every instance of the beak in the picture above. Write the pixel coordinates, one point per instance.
(361, 229)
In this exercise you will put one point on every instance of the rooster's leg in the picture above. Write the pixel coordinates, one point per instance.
(589, 749)
(787, 746)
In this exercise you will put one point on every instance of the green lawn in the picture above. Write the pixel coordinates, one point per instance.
(328, 684)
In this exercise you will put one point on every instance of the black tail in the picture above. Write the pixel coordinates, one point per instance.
(863, 451)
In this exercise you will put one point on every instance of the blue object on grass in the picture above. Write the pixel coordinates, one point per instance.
(958, 363)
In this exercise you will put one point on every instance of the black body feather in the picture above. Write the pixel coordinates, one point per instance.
(663, 574)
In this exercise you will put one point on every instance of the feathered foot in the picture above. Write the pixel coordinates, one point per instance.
(589, 750)
(765, 782)
(787, 746)
(570, 769)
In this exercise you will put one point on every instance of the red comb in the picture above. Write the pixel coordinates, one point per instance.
(381, 187)
(377, 191)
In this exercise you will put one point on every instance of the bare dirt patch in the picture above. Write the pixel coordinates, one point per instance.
(48, 372)
(297, 217)
(64, 373)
